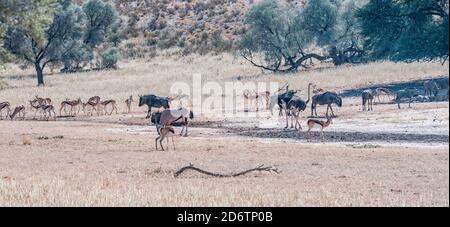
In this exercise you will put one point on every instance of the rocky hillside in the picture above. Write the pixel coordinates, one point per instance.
(191, 25)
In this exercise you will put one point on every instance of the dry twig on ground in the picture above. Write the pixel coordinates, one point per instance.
(259, 168)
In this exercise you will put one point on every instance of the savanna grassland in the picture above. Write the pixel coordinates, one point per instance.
(388, 157)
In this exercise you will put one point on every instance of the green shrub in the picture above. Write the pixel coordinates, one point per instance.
(109, 58)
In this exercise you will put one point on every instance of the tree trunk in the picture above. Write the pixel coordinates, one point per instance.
(39, 73)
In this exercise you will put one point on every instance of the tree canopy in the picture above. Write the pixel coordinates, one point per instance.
(404, 30)
(67, 36)
(284, 38)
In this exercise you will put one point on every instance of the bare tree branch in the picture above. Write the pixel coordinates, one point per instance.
(260, 168)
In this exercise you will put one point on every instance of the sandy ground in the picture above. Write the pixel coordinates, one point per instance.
(388, 157)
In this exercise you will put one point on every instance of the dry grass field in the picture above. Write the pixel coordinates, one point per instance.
(388, 157)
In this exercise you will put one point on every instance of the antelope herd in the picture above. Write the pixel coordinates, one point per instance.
(287, 100)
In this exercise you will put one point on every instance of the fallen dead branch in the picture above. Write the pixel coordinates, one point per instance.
(260, 168)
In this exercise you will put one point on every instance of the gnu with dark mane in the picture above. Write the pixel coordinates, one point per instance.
(153, 101)
(326, 98)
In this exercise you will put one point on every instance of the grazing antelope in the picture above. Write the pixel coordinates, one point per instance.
(35, 105)
(94, 106)
(105, 103)
(383, 91)
(4, 106)
(43, 101)
(50, 109)
(321, 124)
(367, 97)
(73, 104)
(165, 132)
(18, 112)
(128, 103)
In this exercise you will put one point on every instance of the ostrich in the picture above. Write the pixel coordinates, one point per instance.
(367, 98)
(326, 98)
(295, 106)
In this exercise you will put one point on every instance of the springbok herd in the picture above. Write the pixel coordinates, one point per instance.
(287, 100)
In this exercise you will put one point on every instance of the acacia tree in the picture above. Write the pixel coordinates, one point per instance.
(32, 15)
(284, 39)
(404, 30)
(62, 39)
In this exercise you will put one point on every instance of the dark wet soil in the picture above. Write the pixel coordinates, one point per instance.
(340, 136)
(394, 87)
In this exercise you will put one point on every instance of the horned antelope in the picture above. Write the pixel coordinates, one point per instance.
(94, 106)
(104, 104)
(48, 109)
(18, 112)
(73, 104)
(36, 106)
(43, 101)
(383, 91)
(322, 124)
(5, 106)
(165, 132)
(367, 98)
(128, 103)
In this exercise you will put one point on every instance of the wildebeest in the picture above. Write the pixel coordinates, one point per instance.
(326, 98)
(153, 101)
(408, 93)
(172, 117)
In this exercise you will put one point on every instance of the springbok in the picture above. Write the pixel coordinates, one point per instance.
(73, 104)
(322, 124)
(383, 91)
(5, 106)
(50, 109)
(43, 101)
(128, 103)
(18, 112)
(253, 95)
(165, 132)
(111, 102)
